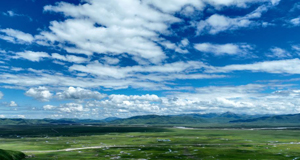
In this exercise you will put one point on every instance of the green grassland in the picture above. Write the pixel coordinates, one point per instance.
(11, 155)
(64, 142)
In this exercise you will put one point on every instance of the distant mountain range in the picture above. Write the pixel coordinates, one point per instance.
(184, 118)
(284, 119)
(210, 118)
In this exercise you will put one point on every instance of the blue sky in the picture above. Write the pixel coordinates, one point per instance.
(97, 59)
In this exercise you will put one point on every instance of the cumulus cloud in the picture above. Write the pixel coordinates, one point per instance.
(32, 56)
(250, 99)
(48, 107)
(79, 93)
(16, 36)
(2, 116)
(130, 104)
(134, 28)
(223, 49)
(13, 104)
(72, 107)
(40, 93)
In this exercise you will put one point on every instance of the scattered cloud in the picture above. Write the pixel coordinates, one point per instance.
(30, 55)
(288, 66)
(40, 93)
(132, 31)
(277, 52)
(49, 107)
(14, 14)
(219, 23)
(72, 107)
(97, 68)
(2, 116)
(13, 104)
(79, 94)
(10, 13)
(295, 21)
(296, 47)
(16, 36)
(69, 58)
(224, 49)
(295, 7)
(109, 60)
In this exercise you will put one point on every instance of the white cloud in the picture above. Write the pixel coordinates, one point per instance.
(48, 107)
(2, 116)
(122, 72)
(296, 47)
(180, 48)
(223, 49)
(21, 116)
(16, 36)
(239, 3)
(170, 6)
(110, 60)
(219, 23)
(14, 14)
(250, 99)
(133, 28)
(289, 66)
(32, 56)
(39, 93)
(69, 58)
(13, 104)
(295, 7)
(72, 107)
(121, 98)
(10, 13)
(79, 93)
(1, 95)
(132, 104)
(295, 21)
(277, 52)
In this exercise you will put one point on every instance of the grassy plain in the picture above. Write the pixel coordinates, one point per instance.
(115, 142)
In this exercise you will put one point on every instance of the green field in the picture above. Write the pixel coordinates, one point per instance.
(60, 142)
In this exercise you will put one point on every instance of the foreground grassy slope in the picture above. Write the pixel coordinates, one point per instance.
(11, 155)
